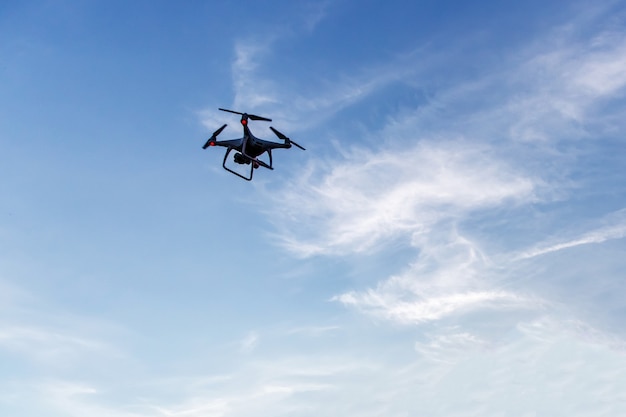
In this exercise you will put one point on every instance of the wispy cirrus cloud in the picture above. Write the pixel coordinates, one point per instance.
(302, 100)
(251, 91)
(616, 229)
(450, 279)
(552, 89)
(493, 149)
(486, 146)
(569, 84)
(429, 308)
(257, 88)
(454, 368)
(358, 203)
(448, 345)
(374, 194)
(46, 338)
(47, 344)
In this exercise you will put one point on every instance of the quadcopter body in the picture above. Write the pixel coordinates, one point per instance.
(249, 148)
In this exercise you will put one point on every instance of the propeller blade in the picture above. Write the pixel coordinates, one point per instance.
(250, 116)
(211, 141)
(280, 135)
(218, 131)
(230, 111)
(254, 117)
(285, 138)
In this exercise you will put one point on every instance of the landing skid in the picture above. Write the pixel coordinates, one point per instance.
(253, 162)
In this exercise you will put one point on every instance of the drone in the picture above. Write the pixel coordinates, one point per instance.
(249, 147)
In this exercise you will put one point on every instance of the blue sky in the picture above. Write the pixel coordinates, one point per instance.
(450, 244)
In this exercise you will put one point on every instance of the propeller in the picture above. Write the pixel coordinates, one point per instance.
(250, 116)
(211, 141)
(285, 138)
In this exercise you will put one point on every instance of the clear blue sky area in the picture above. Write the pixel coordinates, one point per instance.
(451, 243)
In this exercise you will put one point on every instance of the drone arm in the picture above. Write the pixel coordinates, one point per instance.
(231, 143)
(213, 139)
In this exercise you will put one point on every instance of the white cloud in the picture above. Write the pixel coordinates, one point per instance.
(431, 308)
(249, 343)
(66, 398)
(33, 333)
(602, 71)
(450, 278)
(598, 236)
(566, 83)
(615, 230)
(251, 91)
(373, 196)
(43, 343)
(449, 345)
(550, 91)
(259, 86)
(482, 148)
(546, 360)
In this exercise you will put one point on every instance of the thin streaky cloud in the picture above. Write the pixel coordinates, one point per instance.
(599, 235)
(432, 308)
(50, 345)
(546, 327)
(324, 97)
(76, 399)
